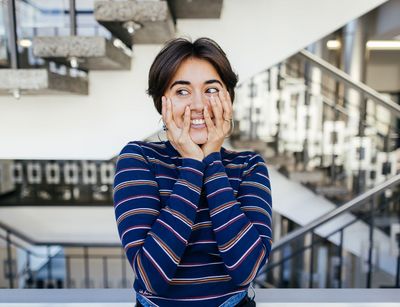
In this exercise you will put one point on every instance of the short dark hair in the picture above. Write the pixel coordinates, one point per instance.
(175, 52)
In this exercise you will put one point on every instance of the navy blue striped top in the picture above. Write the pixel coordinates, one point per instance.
(193, 231)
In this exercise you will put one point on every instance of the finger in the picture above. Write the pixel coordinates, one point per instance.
(164, 112)
(170, 119)
(186, 120)
(217, 110)
(227, 112)
(167, 112)
(207, 118)
(227, 105)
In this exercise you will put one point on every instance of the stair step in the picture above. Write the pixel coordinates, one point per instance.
(254, 145)
(41, 81)
(196, 8)
(92, 53)
(315, 176)
(153, 17)
(332, 190)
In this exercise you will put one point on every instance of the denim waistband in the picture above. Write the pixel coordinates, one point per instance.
(144, 301)
(230, 302)
(233, 300)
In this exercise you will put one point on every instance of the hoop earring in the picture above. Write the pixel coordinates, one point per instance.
(163, 129)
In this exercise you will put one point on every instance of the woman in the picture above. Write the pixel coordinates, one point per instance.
(193, 217)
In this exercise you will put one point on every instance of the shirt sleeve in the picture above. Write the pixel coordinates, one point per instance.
(241, 224)
(153, 235)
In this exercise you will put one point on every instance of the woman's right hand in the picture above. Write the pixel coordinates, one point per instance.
(180, 137)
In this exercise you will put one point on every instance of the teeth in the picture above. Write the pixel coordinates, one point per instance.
(198, 121)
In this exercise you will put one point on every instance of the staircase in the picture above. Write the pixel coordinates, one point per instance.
(301, 128)
(117, 96)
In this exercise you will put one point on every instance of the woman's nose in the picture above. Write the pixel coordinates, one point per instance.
(199, 102)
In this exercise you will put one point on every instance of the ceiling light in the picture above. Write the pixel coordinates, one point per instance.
(73, 61)
(26, 43)
(371, 45)
(333, 44)
(16, 93)
(384, 45)
(131, 26)
(117, 43)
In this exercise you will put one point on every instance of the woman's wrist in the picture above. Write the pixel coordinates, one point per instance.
(197, 157)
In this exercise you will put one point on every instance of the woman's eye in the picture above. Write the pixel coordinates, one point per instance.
(182, 92)
(212, 90)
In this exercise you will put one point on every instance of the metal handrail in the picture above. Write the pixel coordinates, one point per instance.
(350, 205)
(32, 242)
(340, 75)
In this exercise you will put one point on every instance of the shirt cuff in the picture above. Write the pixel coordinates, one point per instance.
(193, 163)
(212, 157)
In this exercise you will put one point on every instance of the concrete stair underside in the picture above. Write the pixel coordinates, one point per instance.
(93, 53)
(40, 81)
(303, 206)
(196, 8)
(154, 17)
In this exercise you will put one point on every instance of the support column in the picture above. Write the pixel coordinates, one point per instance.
(353, 63)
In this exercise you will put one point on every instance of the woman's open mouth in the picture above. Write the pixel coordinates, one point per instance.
(198, 123)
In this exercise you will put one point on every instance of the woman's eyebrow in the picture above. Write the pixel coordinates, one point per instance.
(179, 82)
(213, 81)
(188, 83)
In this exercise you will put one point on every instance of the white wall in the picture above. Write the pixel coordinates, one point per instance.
(383, 71)
(255, 34)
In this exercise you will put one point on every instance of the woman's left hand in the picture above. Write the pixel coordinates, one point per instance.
(222, 109)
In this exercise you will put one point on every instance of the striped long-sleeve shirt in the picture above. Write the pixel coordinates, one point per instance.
(193, 231)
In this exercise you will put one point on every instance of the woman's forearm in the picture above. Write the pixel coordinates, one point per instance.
(241, 223)
(154, 236)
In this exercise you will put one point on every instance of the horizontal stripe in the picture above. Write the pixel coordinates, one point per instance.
(241, 259)
(179, 216)
(200, 280)
(198, 226)
(137, 211)
(134, 228)
(223, 226)
(186, 227)
(228, 245)
(131, 183)
(256, 185)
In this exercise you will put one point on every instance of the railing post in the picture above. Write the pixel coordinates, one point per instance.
(311, 275)
(50, 283)
(371, 243)
(123, 264)
(86, 264)
(398, 261)
(12, 34)
(340, 259)
(68, 271)
(29, 279)
(9, 261)
(105, 272)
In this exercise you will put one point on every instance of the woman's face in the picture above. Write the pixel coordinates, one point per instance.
(193, 83)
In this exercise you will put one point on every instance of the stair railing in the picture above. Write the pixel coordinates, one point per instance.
(367, 198)
(15, 240)
(341, 76)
